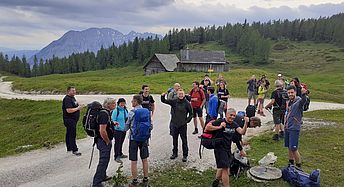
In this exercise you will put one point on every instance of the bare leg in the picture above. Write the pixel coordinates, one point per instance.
(225, 177)
(134, 169)
(195, 122)
(145, 167)
(297, 156)
(219, 174)
(201, 120)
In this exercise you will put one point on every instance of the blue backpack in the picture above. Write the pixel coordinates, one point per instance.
(297, 177)
(141, 129)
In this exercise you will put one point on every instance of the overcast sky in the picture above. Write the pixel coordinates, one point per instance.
(33, 24)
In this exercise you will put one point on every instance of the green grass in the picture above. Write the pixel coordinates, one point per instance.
(319, 65)
(36, 123)
(321, 148)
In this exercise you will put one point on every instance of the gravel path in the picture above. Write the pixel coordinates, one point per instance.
(55, 167)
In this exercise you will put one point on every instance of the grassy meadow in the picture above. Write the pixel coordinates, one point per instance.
(35, 123)
(320, 148)
(319, 65)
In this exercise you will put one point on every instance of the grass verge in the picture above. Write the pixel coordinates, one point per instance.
(321, 148)
(34, 123)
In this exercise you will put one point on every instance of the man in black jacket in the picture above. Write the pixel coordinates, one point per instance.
(181, 114)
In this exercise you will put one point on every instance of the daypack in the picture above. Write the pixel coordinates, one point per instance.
(141, 129)
(299, 178)
(282, 94)
(220, 106)
(90, 119)
(238, 164)
(210, 140)
(250, 111)
(239, 119)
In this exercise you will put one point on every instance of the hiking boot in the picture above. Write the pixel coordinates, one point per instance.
(76, 153)
(174, 156)
(275, 137)
(195, 132)
(123, 156)
(281, 134)
(118, 160)
(216, 183)
(185, 159)
(145, 180)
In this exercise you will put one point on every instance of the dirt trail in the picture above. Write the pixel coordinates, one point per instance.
(55, 167)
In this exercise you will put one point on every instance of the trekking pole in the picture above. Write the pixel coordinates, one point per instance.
(89, 166)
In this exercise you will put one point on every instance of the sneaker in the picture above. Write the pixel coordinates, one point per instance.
(216, 183)
(195, 132)
(185, 159)
(76, 153)
(174, 156)
(275, 137)
(281, 134)
(134, 183)
(123, 156)
(118, 160)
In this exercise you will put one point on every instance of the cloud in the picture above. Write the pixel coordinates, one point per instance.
(32, 24)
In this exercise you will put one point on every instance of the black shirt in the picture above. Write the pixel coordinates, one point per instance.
(277, 95)
(147, 102)
(70, 102)
(227, 133)
(104, 117)
(222, 92)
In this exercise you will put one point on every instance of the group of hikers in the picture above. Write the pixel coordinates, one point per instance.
(206, 96)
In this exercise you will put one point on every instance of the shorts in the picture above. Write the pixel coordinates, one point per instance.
(133, 148)
(278, 116)
(223, 158)
(291, 139)
(197, 112)
(251, 95)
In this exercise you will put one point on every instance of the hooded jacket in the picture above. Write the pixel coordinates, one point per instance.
(181, 111)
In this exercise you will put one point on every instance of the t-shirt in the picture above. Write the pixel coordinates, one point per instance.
(199, 95)
(104, 117)
(70, 102)
(222, 92)
(252, 85)
(147, 102)
(227, 133)
(279, 101)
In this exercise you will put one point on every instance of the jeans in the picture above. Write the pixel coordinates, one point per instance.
(176, 131)
(119, 139)
(104, 158)
(71, 134)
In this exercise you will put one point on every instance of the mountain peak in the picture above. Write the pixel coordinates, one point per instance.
(90, 39)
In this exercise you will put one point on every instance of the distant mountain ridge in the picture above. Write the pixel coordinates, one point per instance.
(91, 39)
(20, 53)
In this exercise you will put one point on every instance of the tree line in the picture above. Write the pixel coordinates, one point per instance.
(251, 41)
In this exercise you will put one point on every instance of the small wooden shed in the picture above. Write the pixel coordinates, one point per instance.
(161, 63)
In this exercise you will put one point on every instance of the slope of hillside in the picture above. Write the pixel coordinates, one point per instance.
(319, 65)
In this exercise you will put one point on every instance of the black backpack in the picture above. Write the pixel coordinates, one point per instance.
(282, 94)
(90, 119)
(306, 106)
(250, 111)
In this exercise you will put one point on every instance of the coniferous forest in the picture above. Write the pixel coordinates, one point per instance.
(251, 41)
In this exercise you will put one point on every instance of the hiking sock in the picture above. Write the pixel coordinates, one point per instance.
(291, 162)
(298, 165)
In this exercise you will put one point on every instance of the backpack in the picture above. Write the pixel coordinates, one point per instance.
(210, 140)
(141, 129)
(282, 94)
(250, 111)
(308, 101)
(299, 178)
(239, 118)
(220, 106)
(90, 119)
(238, 164)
